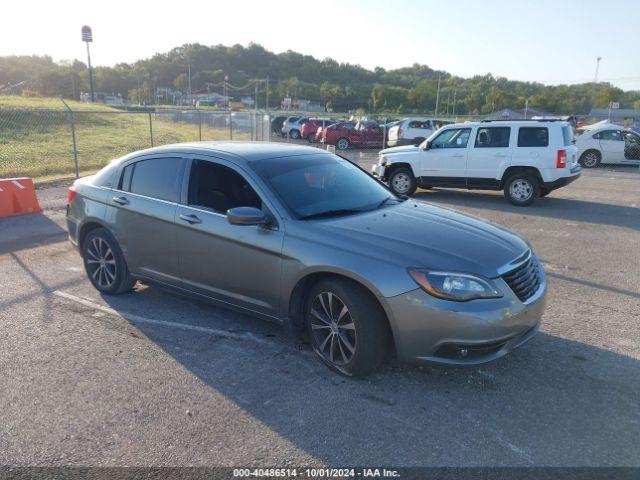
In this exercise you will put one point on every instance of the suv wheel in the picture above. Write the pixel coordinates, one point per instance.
(590, 159)
(311, 138)
(342, 143)
(105, 264)
(402, 182)
(522, 189)
(348, 331)
(294, 134)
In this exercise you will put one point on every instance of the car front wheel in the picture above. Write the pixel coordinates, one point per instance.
(105, 264)
(342, 143)
(347, 329)
(294, 134)
(402, 182)
(522, 189)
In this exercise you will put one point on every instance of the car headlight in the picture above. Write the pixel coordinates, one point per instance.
(382, 161)
(454, 286)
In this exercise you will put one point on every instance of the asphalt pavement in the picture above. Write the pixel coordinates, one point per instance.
(153, 378)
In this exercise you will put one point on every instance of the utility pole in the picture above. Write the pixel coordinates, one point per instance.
(255, 102)
(526, 108)
(190, 98)
(453, 112)
(437, 98)
(87, 37)
(267, 99)
(595, 77)
(224, 89)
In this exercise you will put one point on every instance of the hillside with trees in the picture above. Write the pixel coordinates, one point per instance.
(340, 86)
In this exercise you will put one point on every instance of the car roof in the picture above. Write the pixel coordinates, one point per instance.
(507, 123)
(235, 151)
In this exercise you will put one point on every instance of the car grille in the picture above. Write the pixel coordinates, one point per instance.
(525, 279)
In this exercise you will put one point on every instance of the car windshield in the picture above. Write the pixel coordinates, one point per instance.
(317, 185)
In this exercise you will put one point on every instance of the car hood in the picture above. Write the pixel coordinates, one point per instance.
(403, 149)
(417, 234)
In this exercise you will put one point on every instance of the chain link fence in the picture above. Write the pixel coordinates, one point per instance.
(56, 143)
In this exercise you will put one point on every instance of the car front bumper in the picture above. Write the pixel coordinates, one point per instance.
(379, 171)
(432, 330)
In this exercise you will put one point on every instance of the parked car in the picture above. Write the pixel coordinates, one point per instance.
(526, 159)
(308, 239)
(347, 134)
(292, 127)
(410, 131)
(608, 143)
(310, 128)
(276, 124)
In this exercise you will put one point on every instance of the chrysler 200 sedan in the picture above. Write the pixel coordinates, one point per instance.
(308, 239)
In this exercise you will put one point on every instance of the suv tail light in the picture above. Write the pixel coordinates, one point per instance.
(72, 194)
(562, 159)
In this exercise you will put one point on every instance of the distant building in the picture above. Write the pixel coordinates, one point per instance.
(210, 100)
(301, 105)
(614, 115)
(101, 97)
(520, 114)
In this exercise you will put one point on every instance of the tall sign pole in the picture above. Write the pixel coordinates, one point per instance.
(87, 37)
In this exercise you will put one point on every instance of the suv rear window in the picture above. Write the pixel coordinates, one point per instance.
(156, 178)
(533, 137)
(567, 135)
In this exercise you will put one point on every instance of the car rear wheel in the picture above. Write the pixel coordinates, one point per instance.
(402, 182)
(342, 143)
(105, 264)
(522, 189)
(590, 159)
(347, 329)
(311, 138)
(294, 134)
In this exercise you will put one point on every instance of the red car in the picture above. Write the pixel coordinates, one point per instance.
(310, 128)
(347, 134)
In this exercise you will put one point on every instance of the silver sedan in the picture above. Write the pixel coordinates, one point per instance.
(308, 239)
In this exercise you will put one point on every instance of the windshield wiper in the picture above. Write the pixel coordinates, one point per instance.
(332, 213)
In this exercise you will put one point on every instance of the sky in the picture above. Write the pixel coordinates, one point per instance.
(546, 41)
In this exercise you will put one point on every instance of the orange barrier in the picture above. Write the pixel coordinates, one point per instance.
(18, 197)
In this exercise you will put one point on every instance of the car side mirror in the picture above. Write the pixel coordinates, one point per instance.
(246, 216)
(427, 145)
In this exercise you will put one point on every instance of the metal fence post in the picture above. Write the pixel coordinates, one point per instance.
(268, 126)
(150, 129)
(199, 124)
(72, 125)
(230, 126)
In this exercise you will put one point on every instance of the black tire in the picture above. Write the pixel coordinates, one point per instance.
(294, 134)
(100, 250)
(526, 188)
(590, 159)
(364, 327)
(544, 192)
(343, 143)
(311, 138)
(402, 181)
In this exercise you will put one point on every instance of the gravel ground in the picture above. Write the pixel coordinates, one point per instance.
(152, 378)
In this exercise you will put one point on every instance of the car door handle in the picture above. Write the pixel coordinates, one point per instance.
(191, 219)
(458, 155)
(501, 155)
(121, 200)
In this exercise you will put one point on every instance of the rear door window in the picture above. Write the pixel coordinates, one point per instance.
(533, 137)
(156, 178)
(567, 135)
(492, 137)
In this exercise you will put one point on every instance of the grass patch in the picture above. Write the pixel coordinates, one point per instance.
(35, 136)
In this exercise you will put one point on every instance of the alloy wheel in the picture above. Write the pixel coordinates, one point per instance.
(101, 262)
(333, 329)
(590, 160)
(343, 144)
(521, 190)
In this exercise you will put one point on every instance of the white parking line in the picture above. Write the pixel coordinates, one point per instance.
(138, 319)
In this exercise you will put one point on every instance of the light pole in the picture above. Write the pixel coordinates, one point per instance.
(595, 77)
(87, 37)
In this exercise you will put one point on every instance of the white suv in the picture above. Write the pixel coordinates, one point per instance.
(410, 131)
(524, 158)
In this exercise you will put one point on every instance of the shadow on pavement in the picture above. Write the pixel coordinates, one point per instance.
(548, 207)
(28, 231)
(553, 401)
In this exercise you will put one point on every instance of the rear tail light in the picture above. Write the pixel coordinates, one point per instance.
(562, 159)
(72, 195)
